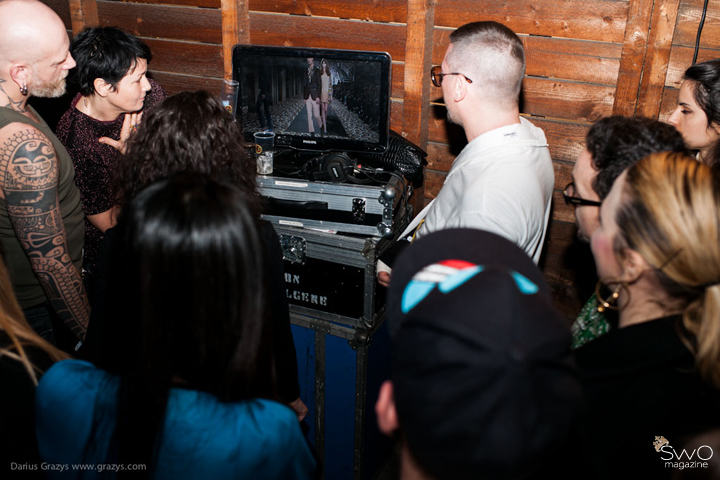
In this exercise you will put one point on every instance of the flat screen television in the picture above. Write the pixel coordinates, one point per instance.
(314, 99)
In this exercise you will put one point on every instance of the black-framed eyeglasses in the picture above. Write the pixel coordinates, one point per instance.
(571, 199)
(436, 75)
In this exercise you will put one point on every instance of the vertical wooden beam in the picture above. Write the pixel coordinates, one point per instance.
(655, 67)
(235, 28)
(418, 60)
(83, 13)
(633, 56)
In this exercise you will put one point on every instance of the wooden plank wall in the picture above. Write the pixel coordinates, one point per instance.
(585, 60)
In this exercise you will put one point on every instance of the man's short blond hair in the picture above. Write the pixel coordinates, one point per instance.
(492, 56)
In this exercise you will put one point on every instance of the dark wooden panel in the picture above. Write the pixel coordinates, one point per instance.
(563, 174)
(635, 44)
(396, 115)
(593, 62)
(583, 68)
(561, 99)
(174, 83)
(566, 139)
(62, 8)
(398, 81)
(563, 150)
(163, 21)
(418, 60)
(669, 102)
(235, 29)
(681, 59)
(197, 59)
(433, 183)
(570, 100)
(557, 272)
(440, 157)
(656, 59)
(367, 10)
(566, 300)
(560, 236)
(562, 212)
(601, 20)
(572, 47)
(83, 13)
(327, 33)
(689, 20)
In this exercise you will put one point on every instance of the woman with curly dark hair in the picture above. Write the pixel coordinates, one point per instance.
(192, 132)
(187, 132)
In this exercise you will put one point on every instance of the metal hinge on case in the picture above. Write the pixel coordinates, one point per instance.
(294, 249)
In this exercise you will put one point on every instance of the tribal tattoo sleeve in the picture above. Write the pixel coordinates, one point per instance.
(29, 180)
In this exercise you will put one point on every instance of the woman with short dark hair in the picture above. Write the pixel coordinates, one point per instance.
(189, 390)
(111, 76)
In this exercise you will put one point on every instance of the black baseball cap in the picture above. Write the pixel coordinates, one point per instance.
(484, 382)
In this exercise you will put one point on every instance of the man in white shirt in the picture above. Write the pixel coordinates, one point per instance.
(503, 179)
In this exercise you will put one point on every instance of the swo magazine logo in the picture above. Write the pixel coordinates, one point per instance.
(697, 458)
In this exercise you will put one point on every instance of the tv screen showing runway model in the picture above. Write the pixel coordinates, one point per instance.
(314, 99)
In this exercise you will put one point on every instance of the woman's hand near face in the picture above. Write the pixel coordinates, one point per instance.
(128, 128)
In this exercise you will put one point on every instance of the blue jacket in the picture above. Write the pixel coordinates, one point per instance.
(76, 410)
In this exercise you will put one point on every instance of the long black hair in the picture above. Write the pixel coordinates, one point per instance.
(705, 78)
(186, 301)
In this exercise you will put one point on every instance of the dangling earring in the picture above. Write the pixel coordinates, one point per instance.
(24, 90)
(610, 302)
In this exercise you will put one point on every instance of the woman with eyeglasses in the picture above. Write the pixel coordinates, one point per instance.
(657, 249)
(612, 145)
(697, 115)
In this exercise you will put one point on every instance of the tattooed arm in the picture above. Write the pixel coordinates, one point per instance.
(29, 181)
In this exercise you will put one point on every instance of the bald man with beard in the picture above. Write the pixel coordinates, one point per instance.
(41, 220)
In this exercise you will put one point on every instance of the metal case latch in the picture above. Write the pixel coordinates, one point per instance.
(358, 209)
(294, 249)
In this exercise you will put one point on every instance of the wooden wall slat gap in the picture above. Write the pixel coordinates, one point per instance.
(575, 46)
(186, 41)
(324, 17)
(189, 3)
(160, 21)
(179, 74)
